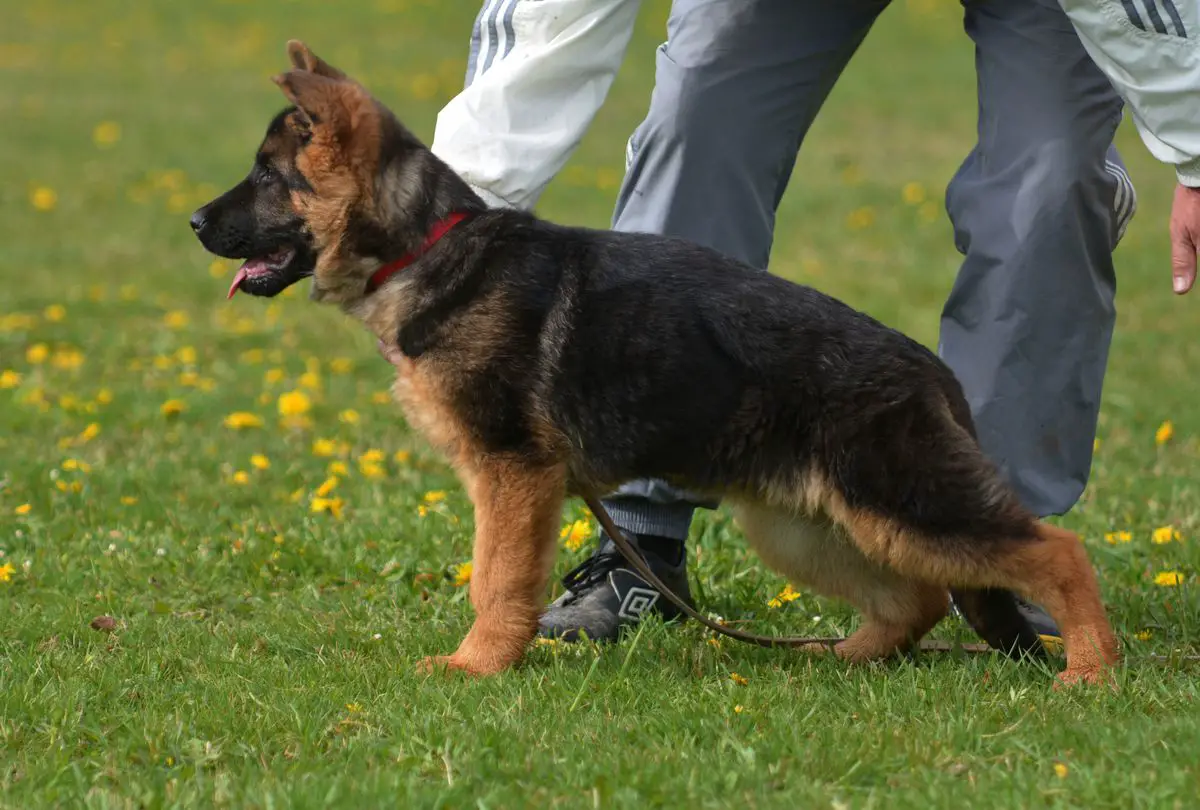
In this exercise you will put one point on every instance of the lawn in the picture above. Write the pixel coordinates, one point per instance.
(273, 550)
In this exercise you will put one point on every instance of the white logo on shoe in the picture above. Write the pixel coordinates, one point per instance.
(636, 602)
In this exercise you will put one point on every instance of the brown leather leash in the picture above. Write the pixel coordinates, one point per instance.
(634, 556)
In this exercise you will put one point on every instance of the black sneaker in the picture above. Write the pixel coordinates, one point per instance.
(1042, 624)
(604, 595)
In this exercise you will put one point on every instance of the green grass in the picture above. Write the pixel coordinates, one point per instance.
(264, 655)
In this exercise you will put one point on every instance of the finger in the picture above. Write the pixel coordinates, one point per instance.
(1183, 262)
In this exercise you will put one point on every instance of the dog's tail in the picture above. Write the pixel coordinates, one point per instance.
(993, 613)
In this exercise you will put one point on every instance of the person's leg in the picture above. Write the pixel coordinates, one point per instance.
(737, 84)
(1037, 209)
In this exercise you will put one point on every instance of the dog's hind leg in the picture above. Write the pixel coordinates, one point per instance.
(1049, 567)
(518, 509)
(897, 610)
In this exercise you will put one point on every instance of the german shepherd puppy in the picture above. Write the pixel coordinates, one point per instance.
(547, 361)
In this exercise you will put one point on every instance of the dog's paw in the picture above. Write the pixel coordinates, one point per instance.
(1090, 677)
(461, 663)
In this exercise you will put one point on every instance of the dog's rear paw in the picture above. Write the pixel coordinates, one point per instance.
(1091, 677)
(462, 663)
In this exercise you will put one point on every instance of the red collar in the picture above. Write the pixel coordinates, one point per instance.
(440, 229)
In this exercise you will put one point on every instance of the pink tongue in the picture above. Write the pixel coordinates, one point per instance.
(237, 281)
(245, 271)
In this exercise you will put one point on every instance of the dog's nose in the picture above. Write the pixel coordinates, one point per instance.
(198, 220)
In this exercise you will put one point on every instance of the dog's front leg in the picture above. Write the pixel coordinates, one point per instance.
(518, 508)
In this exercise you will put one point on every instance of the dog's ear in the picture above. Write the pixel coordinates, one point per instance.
(333, 111)
(319, 98)
(304, 59)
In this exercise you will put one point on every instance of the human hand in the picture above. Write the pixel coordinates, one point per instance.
(1185, 237)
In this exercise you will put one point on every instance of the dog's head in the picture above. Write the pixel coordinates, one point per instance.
(338, 187)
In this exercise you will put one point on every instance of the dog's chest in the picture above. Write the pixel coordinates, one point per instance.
(427, 404)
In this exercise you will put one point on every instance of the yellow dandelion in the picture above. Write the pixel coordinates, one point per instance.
(324, 447)
(785, 596)
(176, 319)
(349, 416)
(172, 407)
(327, 486)
(43, 198)
(37, 354)
(435, 496)
(260, 462)
(738, 709)
(913, 193)
(67, 359)
(1113, 538)
(1060, 770)
(371, 470)
(128, 500)
(738, 679)
(55, 313)
(575, 534)
(90, 432)
(251, 356)
(74, 464)
(332, 506)
(239, 420)
(372, 456)
(462, 573)
(6, 572)
(1165, 534)
(381, 398)
(189, 379)
(310, 380)
(241, 477)
(273, 376)
(422, 510)
(1164, 433)
(186, 355)
(1143, 635)
(929, 211)
(607, 178)
(337, 468)
(424, 86)
(9, 378)
(861, 218)
(218, 268)
(353, 708)
(401, 457)
(341, 365)
(23, 509)
(294, 403)
(1168, 579)
(104, 396)
(106, 133)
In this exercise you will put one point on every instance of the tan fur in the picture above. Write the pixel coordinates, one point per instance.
(518, 509)
(340, 162)
(816, 552)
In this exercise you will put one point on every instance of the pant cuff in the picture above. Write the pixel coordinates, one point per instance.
(645, 517)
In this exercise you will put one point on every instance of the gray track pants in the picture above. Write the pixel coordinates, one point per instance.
(1037, 208)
